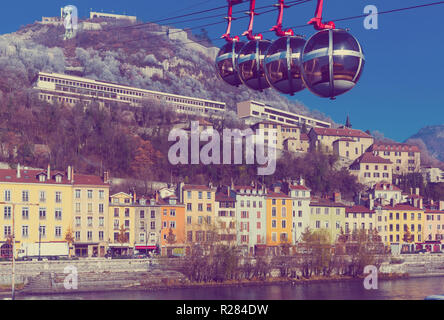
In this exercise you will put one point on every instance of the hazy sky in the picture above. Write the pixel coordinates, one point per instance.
(401, 89)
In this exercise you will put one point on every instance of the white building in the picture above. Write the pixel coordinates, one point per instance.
(67, 89)
(253, 111)
(301, 197)
(251, 220)
(432, 175)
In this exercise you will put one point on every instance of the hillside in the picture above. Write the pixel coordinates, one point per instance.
(433, 138)
(152, 57)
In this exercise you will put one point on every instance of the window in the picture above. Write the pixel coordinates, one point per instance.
(172, 212)
(101, 194)
(209, 195)
(284, 212)
(7, 195)
(90, 194)
(25, 231)
(273, 224)
(200, 207)
(273, 212)
(58, 232)
(25, 196)
(25, 213)
(58, 197)
(101, 221)
(7, 212)
(42, 230)
(153, 214)
(153, 225)
(189, 207)
(90, 235)
(173, 224)
(77, 207)
(284, 224)
(42, 196)
(127, 212)
(318, 224)
(189, 194)
(7, 231)
(58, 214)
(42, 213)
(189, 220)
(90, 221)
(100, 207)
(200, 194)
(101, 235)
(208, 207)
(90, 207)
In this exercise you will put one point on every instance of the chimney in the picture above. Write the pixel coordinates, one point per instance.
(19, 174)
(337, 197)
(441, 205)
(420, 203)
(49, 172)
(72, 174)
(134, 196)
(371, 203)
(277, 189)
(69, 173)
(411, 190)
(417, 191)
(106, 177)
(180, 192)
(392, 202)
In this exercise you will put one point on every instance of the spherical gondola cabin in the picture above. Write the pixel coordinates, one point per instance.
(226, 62)
(332, 63)
(250, 64)
(282, 64)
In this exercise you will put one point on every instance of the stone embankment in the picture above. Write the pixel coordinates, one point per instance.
(415, 265)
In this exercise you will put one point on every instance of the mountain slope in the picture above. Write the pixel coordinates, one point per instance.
(433, 138)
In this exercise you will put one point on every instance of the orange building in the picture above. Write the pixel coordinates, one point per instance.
(279, 218)
(172, 233)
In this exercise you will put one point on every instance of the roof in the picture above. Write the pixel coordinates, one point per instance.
(402, 206)
(369, 157)
(382, 146)
(341, 132)
(358, 209)
(271, 194)
(415, 196)
(222, 197)
(31, 176)
(319, 202)
(380, 187)
(304, 136)
(197, 187)
(344, 140)
(434, 211)
(298, 187)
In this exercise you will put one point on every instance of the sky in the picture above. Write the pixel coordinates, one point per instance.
(401, 89)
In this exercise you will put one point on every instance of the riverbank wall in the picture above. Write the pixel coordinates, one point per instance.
(415, 265)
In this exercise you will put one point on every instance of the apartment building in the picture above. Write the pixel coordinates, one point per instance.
(253, 111)
(173, 231)
(300, 196)
(403, 217)
(251, 218)
(434, 225)
(147, 225)
(70, 90)
(385, 192)
(359, 217)
(328, 214)
(226, 217)
(200, 203)
(371, 169)
(121, 224)
(111, 16)
(405, 158)
(345, 142)
(279, 219)
(44, 205)
(432, 175)
(90, 208)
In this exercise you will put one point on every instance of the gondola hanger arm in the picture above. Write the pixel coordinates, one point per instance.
(317, 20)
(252, 14)
(278, 27)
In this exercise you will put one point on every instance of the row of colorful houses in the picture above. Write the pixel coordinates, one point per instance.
(46, 205)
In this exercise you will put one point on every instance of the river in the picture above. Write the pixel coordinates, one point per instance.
(401, 289)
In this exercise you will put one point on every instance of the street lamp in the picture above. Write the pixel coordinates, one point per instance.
(13, 242)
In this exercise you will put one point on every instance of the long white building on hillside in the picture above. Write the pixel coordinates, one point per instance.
(67, 89)
(252, 112)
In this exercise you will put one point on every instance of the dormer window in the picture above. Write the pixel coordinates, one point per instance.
(152, 202)
(142, 202)
(58, 178)
(42, 178)
(172, 201)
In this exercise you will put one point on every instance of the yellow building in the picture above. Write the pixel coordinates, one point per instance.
(279, 218)
(200, 205)
(371, 169)
(121, 217)
(403, 217)
(323, 139)
(405, 158)
(42, 203)
(328, 214)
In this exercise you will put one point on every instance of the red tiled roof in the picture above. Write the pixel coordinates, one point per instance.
(304, 136)
(358, 209)
(343, 132)
(434, 211)
(318, 202)
(380, 187)
(298, 187)
(83, 179)
(381, 146)
(271, 194)
(344, 140)
(415, 196)
(402, 206)
(369, 157)
(224, 197)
